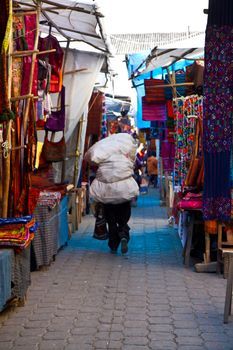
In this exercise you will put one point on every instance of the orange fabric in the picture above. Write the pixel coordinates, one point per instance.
(152, 165)
(211, 226)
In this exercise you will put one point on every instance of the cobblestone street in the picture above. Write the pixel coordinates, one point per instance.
(89, 299)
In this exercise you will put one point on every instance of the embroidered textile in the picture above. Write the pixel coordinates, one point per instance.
(217, 122)
(5, 25)
(17, 234)
(50, 199)
(185, 126)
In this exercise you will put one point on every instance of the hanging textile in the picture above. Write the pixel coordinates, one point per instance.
(152, 92)
(55, 59)
(30, 31)
(167, 152)
(218, 88)
(186, 111)
(153, 111)
(5, 25)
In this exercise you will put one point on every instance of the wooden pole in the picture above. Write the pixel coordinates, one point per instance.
(76, 71)
(7, 143)
(26, 112)
(188, 59)
(63, 170)
(23, 97)
(171, 85)
(7, 170)
(56, 5)
(23, 12)
(76, 167)
(30, 52)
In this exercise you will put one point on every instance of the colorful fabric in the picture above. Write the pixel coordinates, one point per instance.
(5, 25)
(152, 92)
(17, 235)
(217, 123)
(186, 111)
(168, 155)
(49, 199)
(55, 59)
(19, 42)
(30, 27)
(153, 111)
(6, 39)
(17, 69)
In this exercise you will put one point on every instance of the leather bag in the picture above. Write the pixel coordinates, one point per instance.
(54, 151)
(56, 120)
(100, 229)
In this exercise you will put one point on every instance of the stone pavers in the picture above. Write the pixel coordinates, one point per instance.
(91, 299)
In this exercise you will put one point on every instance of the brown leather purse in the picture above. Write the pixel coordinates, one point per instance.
(54, 151)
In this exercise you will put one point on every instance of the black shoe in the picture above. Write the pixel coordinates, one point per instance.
(113, 251)
(124, 246)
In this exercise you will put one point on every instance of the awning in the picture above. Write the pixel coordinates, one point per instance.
(160, 59)
(70, 20)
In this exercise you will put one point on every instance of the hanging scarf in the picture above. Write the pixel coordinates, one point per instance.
(217, 120)
(5, 32)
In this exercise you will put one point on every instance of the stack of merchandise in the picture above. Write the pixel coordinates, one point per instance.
(115, 156)
(17, 232)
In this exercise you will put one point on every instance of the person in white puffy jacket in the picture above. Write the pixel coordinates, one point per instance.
(114, 185)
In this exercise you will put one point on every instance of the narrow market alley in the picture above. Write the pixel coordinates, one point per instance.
(91, 299)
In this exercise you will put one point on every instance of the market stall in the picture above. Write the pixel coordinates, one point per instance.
(172, 102)
(39, 115)
(200, 142)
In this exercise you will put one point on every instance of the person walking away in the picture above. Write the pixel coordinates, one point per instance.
(114, 185)
(152, 169)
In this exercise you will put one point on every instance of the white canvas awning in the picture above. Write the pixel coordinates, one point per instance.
(71, 20)
(163, 58)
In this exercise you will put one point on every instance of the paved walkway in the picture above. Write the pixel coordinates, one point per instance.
(90, 299)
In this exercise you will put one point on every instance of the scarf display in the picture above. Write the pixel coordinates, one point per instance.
(186, 109)
(218, 101)
(17, 234)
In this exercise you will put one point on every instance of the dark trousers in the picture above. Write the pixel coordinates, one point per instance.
(154, 180)
(117, 217)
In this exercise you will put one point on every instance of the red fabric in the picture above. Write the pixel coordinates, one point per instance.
(191, 201)
(153, 111)
(54, 58)
(168, 155)
(154, 94)
(170, 112)
(30, 26)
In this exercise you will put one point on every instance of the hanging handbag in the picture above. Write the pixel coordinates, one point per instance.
(54, 151)
(56, 120)
(100, 229)
(191, 201)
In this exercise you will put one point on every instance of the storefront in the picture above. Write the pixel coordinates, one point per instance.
(45, 89)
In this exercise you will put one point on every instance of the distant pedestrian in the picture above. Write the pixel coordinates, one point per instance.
(152, 169)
